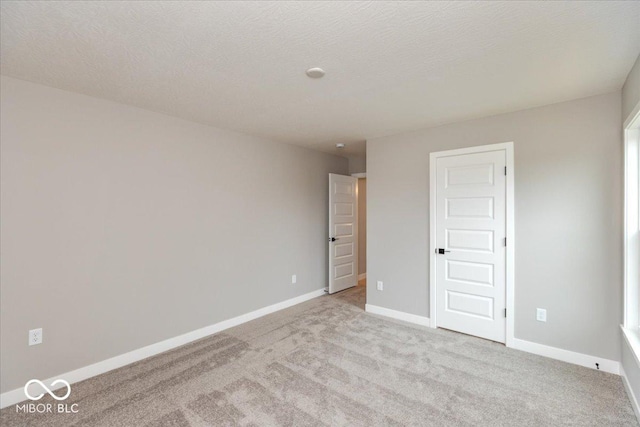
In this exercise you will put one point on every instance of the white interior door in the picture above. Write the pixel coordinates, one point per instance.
(470, 244)
(343, 232)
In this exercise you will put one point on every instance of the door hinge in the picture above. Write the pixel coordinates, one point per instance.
(505, 312)
(505, 242)
(505, 170)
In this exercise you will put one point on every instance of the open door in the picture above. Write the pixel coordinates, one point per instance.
(343, 232)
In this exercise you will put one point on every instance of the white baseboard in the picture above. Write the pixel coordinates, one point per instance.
(362, 276)
(632, 396)
(400, 315)
(606, 365)
(16, 396)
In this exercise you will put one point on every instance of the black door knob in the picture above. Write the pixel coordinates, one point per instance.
(332, 239)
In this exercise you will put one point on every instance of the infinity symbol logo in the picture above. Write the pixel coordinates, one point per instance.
(47, 389)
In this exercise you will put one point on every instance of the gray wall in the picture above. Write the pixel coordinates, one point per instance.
(631, 98)
(123, 227)
(631, 90)
(362, 225)
(357, 164)
(568, 218)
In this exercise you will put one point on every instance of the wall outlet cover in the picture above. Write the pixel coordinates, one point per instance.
(541, 315)
(380, 286)
(35, 336)
(294, 279)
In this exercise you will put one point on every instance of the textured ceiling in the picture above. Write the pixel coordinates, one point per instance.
(391, 66)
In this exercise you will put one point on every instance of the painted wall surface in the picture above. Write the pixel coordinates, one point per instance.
(631, 90)
(568, 218)
(631, 98)
(357, 164)
(362, 225)
(122, 227)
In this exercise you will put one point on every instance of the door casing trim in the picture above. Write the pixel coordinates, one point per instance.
(507, 147)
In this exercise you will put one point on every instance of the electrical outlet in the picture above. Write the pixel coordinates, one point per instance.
(380, 286)
(541, 315)
(294, 279)
(35, 336)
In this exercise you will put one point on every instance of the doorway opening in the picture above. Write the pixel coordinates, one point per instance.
(362, 228)
(343, 232)
(348, 230)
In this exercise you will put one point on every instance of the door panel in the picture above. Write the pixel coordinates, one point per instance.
(343, 226)
(469, 207)
(343, 249)
(470, 305)
(343, 230)
(470, 227)
(473, 273)
(470, 175)
(470, 240)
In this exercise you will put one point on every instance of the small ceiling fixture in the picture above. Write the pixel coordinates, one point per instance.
(315, 73)
(340, 145)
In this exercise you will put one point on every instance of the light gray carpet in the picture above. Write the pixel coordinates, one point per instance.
(326, 362)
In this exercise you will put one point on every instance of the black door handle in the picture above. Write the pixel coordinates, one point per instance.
(332, 239)
(441, 251)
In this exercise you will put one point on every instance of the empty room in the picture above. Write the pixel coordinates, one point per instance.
(310, 213)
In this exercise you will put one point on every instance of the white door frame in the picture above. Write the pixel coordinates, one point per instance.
(510, 261)
(359, 175)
